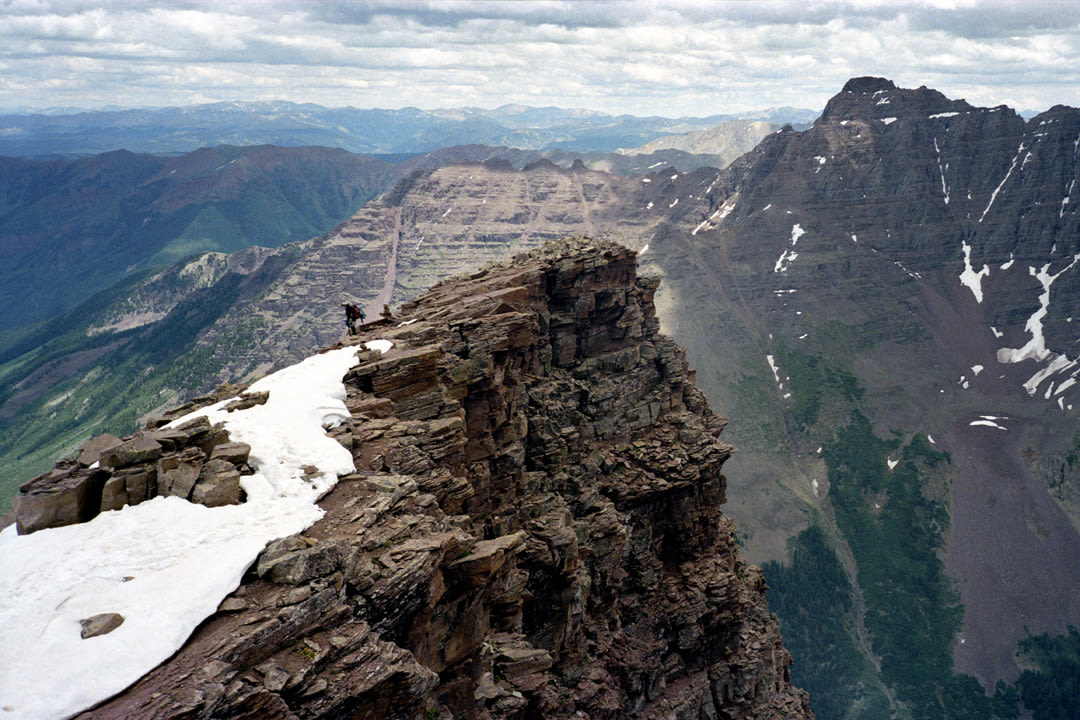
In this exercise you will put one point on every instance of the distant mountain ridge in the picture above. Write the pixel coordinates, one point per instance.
(367, 131)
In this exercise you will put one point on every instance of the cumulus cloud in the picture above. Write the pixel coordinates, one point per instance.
(666, 58)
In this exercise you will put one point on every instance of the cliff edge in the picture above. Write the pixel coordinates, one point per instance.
(533, 529)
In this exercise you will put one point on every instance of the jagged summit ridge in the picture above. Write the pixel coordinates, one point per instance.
(533, 528)
(875, 97)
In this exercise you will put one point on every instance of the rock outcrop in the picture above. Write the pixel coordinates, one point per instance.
(533, 530)
(195, 461)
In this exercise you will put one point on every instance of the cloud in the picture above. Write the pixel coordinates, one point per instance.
(669, 58)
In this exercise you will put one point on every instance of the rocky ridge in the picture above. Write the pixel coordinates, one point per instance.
(533, 529)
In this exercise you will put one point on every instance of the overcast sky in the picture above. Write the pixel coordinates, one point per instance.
(644, 58)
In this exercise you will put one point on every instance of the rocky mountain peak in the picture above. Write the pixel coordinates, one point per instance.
(533, 527)
(867, 98)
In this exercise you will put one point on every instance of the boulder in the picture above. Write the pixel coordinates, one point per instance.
(139, 449)
(90, 451)
(102, 624)
(218, 484)
(177, 474)
(60, 498)
(114, 494)
(295, 568)
(235, 452)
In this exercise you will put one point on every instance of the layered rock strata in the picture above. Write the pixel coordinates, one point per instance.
(533, 530)
(195, 461)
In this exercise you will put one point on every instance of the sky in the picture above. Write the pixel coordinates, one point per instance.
(658, 57)
(165, 564)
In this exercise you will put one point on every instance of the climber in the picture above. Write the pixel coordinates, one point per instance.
(352, 314)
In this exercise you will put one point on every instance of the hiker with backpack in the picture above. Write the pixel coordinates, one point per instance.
(352, 314)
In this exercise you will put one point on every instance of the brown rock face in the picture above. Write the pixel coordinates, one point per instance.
(533, 530)
(111, 473)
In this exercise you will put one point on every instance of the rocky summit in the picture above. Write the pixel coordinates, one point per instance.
(533, 528)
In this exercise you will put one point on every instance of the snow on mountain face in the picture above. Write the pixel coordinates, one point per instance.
(163, 565)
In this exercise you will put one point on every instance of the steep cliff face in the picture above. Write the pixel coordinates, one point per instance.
(533, 529)
(914, 259)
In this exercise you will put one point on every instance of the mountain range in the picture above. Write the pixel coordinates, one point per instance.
(369, 131)
(882, 304)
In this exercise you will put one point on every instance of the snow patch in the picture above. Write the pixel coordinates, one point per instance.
(888, 120)
(789, 254)
(164, 564)
(776, 376)
(970, 278)
(988, 421)
(721, 212)
(935, 116)
(646, 180)
(1035, 348)
(891, 463)
(643, 250)
(941, 170)
(993, 196)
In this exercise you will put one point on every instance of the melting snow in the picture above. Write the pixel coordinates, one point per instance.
(776, 376)
(944, 187)
(969, 277)
(989, 421)
(722, 212)
(789, 254)
(1035, 349)
(994, 195)
(910, 273)
(165, 564)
